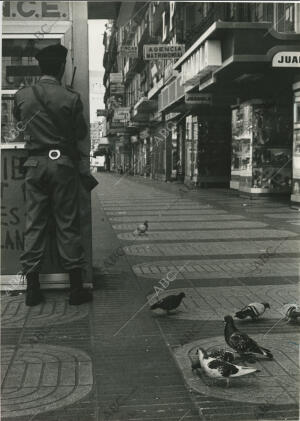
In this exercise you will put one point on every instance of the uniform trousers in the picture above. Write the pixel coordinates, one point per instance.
(52, 189)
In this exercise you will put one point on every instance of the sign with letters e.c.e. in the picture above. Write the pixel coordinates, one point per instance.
(286, 59)
(198, 98)
(36, 10)
(163, 51)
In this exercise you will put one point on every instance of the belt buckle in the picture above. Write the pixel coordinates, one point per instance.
(54, 154)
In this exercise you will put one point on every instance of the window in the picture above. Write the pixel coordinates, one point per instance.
(285, 17)
(297, 112)
(19, 65)
(259, 12)
(19, 68)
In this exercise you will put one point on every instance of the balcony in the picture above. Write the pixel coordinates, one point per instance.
(227, 12)
(204, 60)
(156, 88)
(170, 94)
(145, 105)
(132, 67)
(129, 32)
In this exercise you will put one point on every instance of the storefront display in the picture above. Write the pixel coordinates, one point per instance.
(241, 156)
(296, 145)
(272, 148)
(261, 148)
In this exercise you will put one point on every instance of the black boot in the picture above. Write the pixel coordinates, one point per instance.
(34, 295)
(78, 295)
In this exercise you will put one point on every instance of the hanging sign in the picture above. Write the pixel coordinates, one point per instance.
(286, 59)
(129, 51)
(198, 98)
(163, 51)
(122, 114)
(116, 78)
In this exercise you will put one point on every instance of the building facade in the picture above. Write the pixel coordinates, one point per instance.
(211, 94)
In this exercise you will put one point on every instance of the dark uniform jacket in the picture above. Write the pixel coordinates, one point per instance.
(43, 132)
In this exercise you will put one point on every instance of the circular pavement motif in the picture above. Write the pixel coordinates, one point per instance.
(48, 377)
(275, 384)
(55, 310)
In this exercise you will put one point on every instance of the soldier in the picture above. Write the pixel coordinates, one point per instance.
(54, 143)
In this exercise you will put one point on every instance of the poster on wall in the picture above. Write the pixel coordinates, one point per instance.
(13, 197)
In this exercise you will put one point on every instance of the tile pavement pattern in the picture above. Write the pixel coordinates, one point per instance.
(234, 244)
(194, 225)
(39, 378)
(54, 311)
(219, 216)
(131, 367)
(277, 379)
(219, 268)
(207, 235)
(214, 248)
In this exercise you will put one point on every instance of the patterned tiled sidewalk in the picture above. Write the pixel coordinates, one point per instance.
(114, 359)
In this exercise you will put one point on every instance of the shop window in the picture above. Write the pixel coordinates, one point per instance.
(297, 112)
(19, 68)
(285, 17)
(257, 12)
(189, 128)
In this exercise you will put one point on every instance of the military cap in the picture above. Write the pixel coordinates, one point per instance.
(56, 52)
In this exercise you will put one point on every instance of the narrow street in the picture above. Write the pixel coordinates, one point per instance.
(117, 360)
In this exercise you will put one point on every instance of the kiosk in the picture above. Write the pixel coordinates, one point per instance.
(28, 27)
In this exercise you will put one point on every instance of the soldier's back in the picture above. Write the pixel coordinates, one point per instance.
(51, 122)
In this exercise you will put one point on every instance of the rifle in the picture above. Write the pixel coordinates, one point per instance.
(73, 77)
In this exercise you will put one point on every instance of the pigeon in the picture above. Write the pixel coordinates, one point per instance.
(220, 354)
(253, 310)
(220, 369)
(241, 342)
(142, 228)
(291, 312)
(171, 302)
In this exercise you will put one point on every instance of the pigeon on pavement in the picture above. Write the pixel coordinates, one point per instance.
(291, 312)
(220, 369)
(241, 342)
(220, 354)
(142, 228)
(253, 310)
(171, 302)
